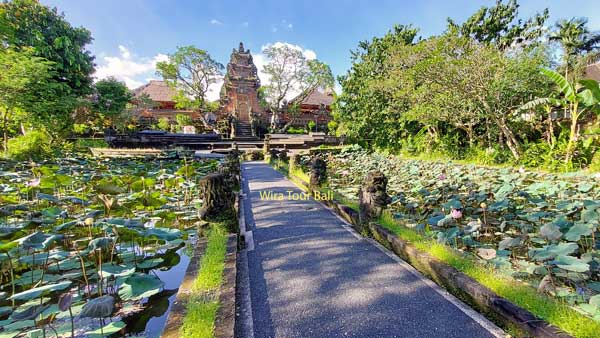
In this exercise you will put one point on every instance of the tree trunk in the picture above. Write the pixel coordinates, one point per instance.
(511, 140)
(5, 131)
(572, 135)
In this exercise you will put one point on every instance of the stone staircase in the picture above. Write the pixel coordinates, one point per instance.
(243, 131)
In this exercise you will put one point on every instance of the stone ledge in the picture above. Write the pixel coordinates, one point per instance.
(179, 307)
(225, 319)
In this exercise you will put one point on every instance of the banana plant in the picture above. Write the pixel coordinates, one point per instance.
(577, 98)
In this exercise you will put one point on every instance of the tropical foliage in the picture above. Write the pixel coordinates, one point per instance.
(461, 94)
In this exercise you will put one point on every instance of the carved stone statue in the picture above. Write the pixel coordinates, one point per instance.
(372, 196)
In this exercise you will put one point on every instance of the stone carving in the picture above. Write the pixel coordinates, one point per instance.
(318, 172)
(372, 196)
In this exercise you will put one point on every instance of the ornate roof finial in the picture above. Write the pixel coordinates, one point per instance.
(241, 49)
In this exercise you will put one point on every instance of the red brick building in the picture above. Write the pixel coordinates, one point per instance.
(314, 106)
(239, 93)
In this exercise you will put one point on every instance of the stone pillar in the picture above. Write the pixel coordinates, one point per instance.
(373, 197)
(266, 145)
(318, 172)
(217, 197)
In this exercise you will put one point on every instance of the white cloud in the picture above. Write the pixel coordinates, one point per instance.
(215, 22)
(214, 90)
(128, 67)
(245, 24)
(290, 26)
(274, 29)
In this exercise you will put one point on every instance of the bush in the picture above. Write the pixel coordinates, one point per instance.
(292, 130)
(35, 145)
(254, 155)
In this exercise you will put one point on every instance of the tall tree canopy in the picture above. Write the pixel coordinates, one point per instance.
(362, 110)
(579, 45)
(291, 73)
(31, 24)
(23, 78)
(190, 71)
(500, 25)
(110, 98)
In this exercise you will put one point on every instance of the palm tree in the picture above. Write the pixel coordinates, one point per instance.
(575, 39)
(577, 98)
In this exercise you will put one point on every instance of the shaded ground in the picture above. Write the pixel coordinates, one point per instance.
(311, 277)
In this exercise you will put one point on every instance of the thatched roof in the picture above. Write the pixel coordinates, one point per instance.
(593, 71)
(158, 91)
(315, 98)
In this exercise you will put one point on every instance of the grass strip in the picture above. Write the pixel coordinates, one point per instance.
(552, 310)
(199, 321)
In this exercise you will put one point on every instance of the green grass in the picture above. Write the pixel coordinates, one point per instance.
(552, 310)
(203, 304)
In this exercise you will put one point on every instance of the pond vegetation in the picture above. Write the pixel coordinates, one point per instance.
(86, 244)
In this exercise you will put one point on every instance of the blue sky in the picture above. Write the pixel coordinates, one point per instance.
(130, 35)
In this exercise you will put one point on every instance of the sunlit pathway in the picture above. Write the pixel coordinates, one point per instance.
(311, 277)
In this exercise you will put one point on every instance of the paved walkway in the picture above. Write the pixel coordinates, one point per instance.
(310, 276)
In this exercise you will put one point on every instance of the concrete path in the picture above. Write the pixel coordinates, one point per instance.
(310, 276)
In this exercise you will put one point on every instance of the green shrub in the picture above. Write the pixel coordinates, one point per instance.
(595, 163)
(292, 130)
(35, 145)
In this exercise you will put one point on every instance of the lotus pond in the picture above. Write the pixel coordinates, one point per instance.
(94, 248)
(539, 228)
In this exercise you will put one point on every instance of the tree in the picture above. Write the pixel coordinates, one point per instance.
(22, 78)
(575, 39)
(53, 38)
(362, 109)
(183, 120)
(190, 71)
(498, 25)
(458, 82)
(163, 124)
(578, 99)
(290, 72)
(110, 98)
(29, 24)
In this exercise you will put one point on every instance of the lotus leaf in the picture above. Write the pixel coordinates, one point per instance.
(140, 286)
(107, 330)
(571, 263)
(580, 229)
(100, 307)
(551, 251)
(36, 292)
(109, 270)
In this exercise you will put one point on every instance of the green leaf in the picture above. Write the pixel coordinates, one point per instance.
(100, 307)
(571, 263)
(140, 286)
(36, 292)
(107, 330)
(580, 229)
(565, 86)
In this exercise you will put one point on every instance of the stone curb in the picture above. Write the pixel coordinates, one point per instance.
(178, 309)
(225, 318)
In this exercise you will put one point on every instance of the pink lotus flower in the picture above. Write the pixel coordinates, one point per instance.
(522, 170)
(456, 214)
(442, 177)
(345, 173)
(33, 183)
